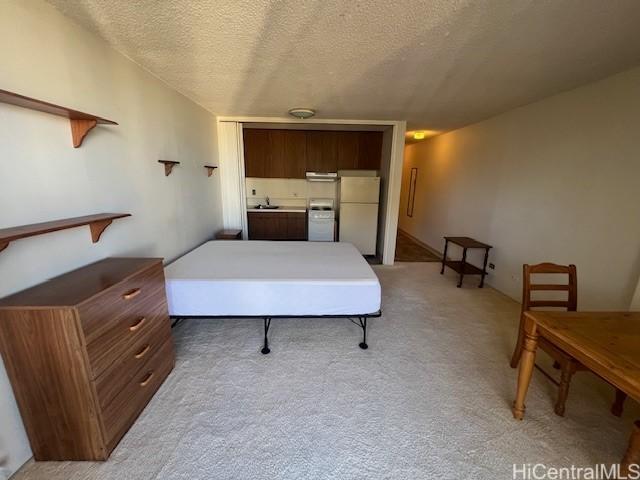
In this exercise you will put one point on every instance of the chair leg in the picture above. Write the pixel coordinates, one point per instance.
(618, 404)
(517, 352)
(568, 369)
(632, 456)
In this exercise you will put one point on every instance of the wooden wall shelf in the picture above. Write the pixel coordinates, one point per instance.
(97, 223)
(81, 123)
(210, 169)
(168, 166)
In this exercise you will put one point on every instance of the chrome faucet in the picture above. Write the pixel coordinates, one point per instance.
(267, 200)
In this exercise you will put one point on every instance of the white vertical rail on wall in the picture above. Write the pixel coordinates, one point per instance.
(242, 187)
(393, 193)
(230, 174)
(635, 302)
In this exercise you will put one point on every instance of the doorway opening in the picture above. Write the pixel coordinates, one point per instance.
(409, 248)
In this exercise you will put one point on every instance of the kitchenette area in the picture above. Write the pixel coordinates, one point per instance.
(313, 185)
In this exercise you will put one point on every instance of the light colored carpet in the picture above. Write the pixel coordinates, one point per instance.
(429, 399)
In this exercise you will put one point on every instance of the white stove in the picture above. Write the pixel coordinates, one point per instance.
(322, 220)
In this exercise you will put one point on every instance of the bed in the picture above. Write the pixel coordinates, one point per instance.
(269, 280)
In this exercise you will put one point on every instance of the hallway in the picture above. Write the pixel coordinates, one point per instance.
(408, 250)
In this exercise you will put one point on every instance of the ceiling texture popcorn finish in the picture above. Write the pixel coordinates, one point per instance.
(439, 64)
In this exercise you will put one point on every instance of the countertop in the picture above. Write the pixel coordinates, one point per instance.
(281, 208)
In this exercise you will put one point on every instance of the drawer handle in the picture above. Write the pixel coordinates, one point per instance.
(132, 294)
(137, 326)
(147, 379)
(143, 352)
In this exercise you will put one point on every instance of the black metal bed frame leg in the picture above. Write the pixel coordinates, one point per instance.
(267, 324)
(363, 323)
(176, 321)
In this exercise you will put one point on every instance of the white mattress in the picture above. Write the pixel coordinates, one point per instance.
(261, 278)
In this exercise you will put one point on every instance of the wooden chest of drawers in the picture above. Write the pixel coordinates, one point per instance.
(85, 352)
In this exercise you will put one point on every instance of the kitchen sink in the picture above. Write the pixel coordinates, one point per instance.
(266, 207)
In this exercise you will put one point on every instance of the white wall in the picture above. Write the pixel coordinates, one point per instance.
(557, 180)
(42, 177)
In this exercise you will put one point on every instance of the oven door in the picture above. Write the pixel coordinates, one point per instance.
(321, 229)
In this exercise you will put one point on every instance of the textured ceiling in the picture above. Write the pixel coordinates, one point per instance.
(439, 64)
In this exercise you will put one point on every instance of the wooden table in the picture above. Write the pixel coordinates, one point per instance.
(461, 266)
(608, 343)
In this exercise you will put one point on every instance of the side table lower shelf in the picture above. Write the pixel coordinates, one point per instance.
(461, 267)
(465, 268)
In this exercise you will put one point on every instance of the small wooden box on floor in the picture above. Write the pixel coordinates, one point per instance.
(229, 234)
(85, 352)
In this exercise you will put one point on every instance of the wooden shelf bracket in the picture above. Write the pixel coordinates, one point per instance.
(210, 169)
(81, 123)
(168, 166)
(79, 130)
(97, 228)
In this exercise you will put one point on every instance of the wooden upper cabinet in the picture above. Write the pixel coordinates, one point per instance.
(274, 159)
(369, 150)
(291, 148)
(256, 150)
(274, 153)
(322, 154)
(348, 144)
(292, 153)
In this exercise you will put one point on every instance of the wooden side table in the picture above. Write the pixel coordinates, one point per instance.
(461, 266)
(229, 234)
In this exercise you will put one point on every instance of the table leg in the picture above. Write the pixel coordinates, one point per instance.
(484, 268)
(265, 349)
(526, 367)
(463, 264)
(444, 256)
(632, 456)
(618, 404)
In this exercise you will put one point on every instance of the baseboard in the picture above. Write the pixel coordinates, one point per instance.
(421, 243)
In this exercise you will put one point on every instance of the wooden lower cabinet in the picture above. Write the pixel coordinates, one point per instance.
(297, 226)
(85, 352)
(277, 225)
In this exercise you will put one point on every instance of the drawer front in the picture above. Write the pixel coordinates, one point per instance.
(98, 314)
(123, 410)
(127, 366)
(127, 332)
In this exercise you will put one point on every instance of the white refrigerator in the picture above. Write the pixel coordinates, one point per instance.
(358, 214)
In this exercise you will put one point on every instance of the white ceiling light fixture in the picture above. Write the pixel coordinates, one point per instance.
(302, 113)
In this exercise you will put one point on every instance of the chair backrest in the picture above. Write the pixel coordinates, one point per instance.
(571, 287)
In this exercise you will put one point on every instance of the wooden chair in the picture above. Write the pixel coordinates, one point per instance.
(562, 360)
